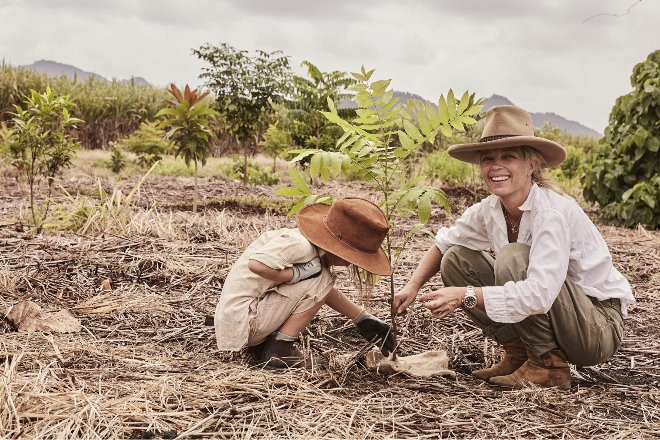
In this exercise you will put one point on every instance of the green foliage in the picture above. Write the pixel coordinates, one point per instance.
(188, 122)
(305, 122)
(6, 138)
(623, 171)
(276, 141)
(376, 143)
(148, 143)
(574, 164)
(100, 212)
(111, 109)
(245, 88)
(117, 159)
(256, 174)
(439, 165)
(41, 146)
(375, 146)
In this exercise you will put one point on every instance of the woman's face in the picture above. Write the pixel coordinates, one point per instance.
(506, 172)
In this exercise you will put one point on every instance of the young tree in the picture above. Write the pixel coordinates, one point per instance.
(148, 143)
(304, 121)
(276, 141)
(188, 125)
(41, 144)
(375, 146)
(623, 174)
(245, 87)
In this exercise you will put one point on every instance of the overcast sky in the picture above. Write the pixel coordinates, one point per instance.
(570, 57)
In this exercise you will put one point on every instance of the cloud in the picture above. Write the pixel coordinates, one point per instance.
(567, 57)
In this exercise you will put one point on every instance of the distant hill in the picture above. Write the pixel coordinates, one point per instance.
(52, 68)
(538, 119)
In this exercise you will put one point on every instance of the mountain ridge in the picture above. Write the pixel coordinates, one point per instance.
(53, 68)
(538, 118)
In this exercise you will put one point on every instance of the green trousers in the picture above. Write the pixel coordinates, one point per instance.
(588, 331)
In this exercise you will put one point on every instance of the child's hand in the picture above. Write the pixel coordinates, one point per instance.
(377, 331)
(303, 271)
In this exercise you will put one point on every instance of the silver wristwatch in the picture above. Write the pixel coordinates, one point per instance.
(470, 298)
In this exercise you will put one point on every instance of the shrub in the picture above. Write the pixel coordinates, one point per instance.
(117, 159)
(148, 143)
(439, 165)
(41, 145)
(622, 175)
(256, 174)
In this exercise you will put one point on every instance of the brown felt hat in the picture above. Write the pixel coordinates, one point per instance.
(509, 126)
(351, 228)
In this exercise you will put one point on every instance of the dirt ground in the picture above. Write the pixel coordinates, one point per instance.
(145, 365)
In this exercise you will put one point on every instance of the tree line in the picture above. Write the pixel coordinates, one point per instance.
(256, 103)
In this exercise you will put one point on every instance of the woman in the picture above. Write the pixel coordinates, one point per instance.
(550, 295)
(283, 278)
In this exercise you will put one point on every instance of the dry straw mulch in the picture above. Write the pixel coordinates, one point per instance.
(145, 364)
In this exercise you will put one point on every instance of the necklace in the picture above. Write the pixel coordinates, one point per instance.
(510, 223)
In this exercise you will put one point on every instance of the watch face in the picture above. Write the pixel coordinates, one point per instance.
(470, 301)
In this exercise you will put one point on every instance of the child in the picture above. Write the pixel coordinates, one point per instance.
(282, 279)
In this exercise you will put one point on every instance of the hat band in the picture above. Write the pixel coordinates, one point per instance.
(494, 138)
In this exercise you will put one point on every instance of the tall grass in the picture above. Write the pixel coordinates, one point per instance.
(111, 109)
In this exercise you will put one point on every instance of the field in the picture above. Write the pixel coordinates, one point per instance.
(145, 365)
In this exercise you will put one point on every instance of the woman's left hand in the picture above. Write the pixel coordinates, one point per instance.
(443, 301)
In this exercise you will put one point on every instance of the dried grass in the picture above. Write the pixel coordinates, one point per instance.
(146, 366)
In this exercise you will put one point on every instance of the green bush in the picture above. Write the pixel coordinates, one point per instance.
(574, 164)
(440, 166)
(117, 160)
(623, 171)
(148, 143)
(256, 174)
(40, 144)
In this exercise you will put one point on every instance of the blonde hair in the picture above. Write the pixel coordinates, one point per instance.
(538, 175)
(363, 279)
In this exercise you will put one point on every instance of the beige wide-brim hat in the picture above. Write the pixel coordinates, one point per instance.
(351, 228)
(509, 126)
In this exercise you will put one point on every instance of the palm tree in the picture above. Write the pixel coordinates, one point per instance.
(188, 124)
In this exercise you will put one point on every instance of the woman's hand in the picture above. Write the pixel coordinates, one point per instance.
(403, 299)
(443, 301)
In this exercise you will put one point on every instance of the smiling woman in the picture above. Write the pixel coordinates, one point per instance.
(526, 263)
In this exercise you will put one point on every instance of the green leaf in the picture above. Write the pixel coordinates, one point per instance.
(412, 131)
(443, 111)
(463, 104)
(379, 87)
(291, 192)
(424, 208)
(298, 179)
(446, 131)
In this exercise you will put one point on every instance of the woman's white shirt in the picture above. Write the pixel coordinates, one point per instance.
(563, 242)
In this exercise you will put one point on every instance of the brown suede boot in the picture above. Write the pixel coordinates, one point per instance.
(549, 370)
(515, 354)
(280, 355)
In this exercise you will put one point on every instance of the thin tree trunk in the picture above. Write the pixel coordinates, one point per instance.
(245, 164)
(195, 190)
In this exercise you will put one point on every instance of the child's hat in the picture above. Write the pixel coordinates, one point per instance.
(351, 228)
